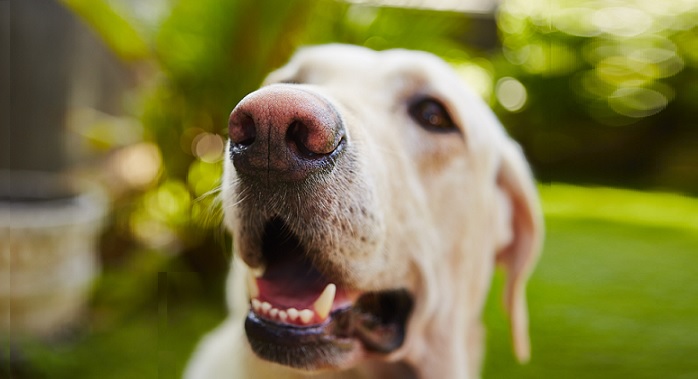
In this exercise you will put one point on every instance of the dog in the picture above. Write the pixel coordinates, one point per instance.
(370, 196)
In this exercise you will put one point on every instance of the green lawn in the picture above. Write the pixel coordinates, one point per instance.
(615, 295)
(607, 300)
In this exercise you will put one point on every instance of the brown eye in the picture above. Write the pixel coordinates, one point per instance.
(431, 114)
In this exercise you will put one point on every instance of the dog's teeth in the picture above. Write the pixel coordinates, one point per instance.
(252, 287)
(292, 314)
(283, 316)
(323, 304)
(306, 315)
(265, 307)
(273, 312)
(256, 305)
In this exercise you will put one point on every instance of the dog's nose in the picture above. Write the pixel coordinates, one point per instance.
(284, 133)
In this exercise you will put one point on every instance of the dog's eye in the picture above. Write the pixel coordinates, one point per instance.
(432, 115)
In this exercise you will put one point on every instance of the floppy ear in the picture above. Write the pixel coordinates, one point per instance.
(521, 231)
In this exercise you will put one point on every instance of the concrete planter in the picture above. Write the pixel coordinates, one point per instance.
(48, 255)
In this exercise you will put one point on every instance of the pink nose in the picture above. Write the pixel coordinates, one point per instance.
(284, 133)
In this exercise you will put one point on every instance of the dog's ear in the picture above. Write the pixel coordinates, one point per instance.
(521, 232)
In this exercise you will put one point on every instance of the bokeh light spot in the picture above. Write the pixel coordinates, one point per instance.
(622, 21)
(511, 94)
(637, 102)
(208, 147)
(137, 165)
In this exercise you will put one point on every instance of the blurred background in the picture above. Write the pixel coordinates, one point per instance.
(114, 115)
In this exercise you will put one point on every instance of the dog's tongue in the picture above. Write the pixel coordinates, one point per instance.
(298, 293)
(292, 282)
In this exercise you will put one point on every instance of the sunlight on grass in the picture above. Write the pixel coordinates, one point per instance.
(623, 206)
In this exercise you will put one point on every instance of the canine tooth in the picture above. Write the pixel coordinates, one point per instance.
(306, 315)
(323, 304)
(273, 312)
(292, 314)
(256, 305)
(265, 307)
(258, 271)
(283, 316)
(252, 287)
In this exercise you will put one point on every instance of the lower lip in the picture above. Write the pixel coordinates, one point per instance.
(305, 347)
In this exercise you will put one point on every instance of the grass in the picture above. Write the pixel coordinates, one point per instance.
(607, 300)
(614, 296)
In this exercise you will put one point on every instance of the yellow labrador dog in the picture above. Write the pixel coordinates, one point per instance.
(369, 195)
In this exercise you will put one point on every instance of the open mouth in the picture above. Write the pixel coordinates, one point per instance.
(302, 317)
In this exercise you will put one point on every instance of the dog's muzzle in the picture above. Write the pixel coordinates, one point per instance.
(285, 143)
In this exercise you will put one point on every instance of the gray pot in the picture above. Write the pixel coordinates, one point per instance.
(48, 252)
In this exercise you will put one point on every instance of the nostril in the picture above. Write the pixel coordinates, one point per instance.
(311, 143)
(242, 129)
(297, 134)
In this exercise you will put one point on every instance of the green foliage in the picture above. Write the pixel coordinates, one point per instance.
(610, 89)
(117, 31)
(619, 56)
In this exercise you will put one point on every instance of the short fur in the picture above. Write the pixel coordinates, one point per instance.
(404, 208)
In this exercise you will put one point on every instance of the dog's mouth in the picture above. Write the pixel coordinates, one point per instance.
(304, 318)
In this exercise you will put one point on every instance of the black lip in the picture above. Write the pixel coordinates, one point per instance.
(377, 322)
(310, 347)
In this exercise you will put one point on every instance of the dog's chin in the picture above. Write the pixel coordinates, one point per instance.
(311, 320)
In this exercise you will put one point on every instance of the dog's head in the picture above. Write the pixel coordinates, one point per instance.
(369, 195)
